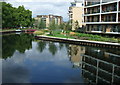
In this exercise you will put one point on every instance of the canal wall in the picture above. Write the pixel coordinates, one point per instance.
(5, 32)
(13, 31)
(80, 42)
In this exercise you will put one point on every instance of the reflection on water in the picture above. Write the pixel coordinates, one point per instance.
(101, 65)
(37, 61)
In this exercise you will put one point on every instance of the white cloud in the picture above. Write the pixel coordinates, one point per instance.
(39, 0)
(38, 7)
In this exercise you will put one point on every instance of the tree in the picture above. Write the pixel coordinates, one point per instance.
(7, 11)
(76, 25)
(62, 25)
(67, 26)
(13, 17)
(42, 24)
(52, 26)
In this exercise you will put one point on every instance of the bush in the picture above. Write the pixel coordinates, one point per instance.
(46, 30)
(38, 32)
(72, 33)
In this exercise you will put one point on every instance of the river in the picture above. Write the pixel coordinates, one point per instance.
(28, 60)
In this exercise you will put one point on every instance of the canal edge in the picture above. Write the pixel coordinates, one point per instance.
(80, 42)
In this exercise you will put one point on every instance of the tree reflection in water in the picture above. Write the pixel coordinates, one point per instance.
(61, 45)
(11, 43)
(41, 46)
(52, 48)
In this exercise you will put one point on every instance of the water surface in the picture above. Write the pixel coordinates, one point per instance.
(28, 60)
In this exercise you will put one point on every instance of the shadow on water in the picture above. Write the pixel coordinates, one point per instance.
(37, 61)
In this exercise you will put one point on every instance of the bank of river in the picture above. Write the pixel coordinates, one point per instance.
(81, 42)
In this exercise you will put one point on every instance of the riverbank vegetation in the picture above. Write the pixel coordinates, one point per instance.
(76, 35)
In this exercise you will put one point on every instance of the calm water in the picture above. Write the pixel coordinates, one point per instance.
(27, 60)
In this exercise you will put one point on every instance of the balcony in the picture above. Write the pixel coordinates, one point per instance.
(93, 10)
(109, 8)
(108, 18)
(105, 1)
(92, 3)
(119, 17)
(119, 5)
(92, 19)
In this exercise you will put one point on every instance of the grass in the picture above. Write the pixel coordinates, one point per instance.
(97, 38)
(39, 32)
(60, 36)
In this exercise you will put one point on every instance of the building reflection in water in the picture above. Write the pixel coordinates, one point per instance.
(76, 53)
(98, 65)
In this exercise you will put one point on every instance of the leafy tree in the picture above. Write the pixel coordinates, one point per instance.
(62, 25)
(13, 17)
(76, 25)
(67, 26)
(52, 25)
(42, 24)
(7, 11)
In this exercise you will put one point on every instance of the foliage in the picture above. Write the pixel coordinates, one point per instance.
(67, 26)
(76, 25)
(38, 32)
(13, 17)
(60, 36)
(52, 25)
(41, 24)
(96, 37)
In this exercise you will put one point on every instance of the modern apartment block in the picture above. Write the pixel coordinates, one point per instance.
(48, 19)
(76, 11)
(102, 16)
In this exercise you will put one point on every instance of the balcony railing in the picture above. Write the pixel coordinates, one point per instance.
(105, 1)
(93, 11)
(92, 3)
(109, 8)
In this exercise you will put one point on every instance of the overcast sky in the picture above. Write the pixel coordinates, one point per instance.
(39, 7)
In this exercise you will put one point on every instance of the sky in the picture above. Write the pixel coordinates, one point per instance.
(45, 7)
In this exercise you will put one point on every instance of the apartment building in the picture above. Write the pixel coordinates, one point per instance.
(102, 16)
(76, 11)
(48, 19)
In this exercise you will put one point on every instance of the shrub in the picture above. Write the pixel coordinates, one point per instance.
(46, 30)
(72, 33)
(38, 32)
